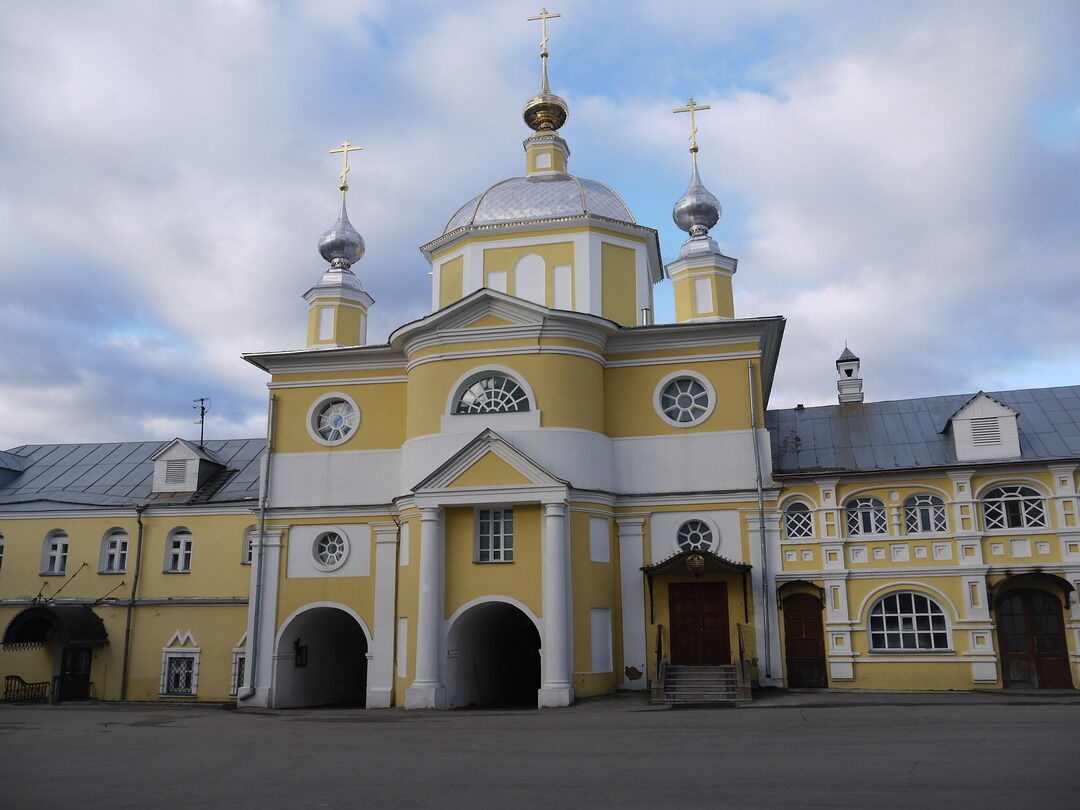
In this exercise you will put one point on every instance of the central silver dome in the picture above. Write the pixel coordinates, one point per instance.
(546, 197)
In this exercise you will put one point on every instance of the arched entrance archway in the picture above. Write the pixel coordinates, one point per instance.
(1031, 632)
(495, 658)
(320, 660)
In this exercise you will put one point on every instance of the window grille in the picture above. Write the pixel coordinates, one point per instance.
(179, 559)
(179, 674)
(908, 621)
(694, 535)
(1013, 507)
(924, 513)
(493, 393)
(986, 430)
(798, 520)
(175, 471)
(495, 535)
(116, 548)
(866, 516)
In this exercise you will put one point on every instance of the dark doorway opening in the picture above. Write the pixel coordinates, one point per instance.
(498, 658)
(74, 682)
(321, 660)
(1032, 637)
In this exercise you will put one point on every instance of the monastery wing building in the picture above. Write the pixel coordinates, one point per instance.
(535, 493)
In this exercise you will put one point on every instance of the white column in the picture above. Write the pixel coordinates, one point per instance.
(380, 679)
(631, 559)
(556, 689)
(265, 563)
(426, 691)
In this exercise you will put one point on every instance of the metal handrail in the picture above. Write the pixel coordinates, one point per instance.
(16, 690)
(661, 667)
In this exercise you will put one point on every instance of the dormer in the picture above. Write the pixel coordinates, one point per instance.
(985, 429)
(11, 466)
(181, 466)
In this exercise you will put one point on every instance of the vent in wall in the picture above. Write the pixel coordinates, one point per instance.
(986, 430)
(175, 471)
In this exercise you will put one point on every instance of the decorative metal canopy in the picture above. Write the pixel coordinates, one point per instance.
(69, 625)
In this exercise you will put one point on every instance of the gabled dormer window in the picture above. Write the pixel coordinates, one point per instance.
(985, 428)
(182, 466)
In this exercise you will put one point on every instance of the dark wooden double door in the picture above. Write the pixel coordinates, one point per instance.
(1032, 636)
(804, 642)
(700, 634)
(74, 681)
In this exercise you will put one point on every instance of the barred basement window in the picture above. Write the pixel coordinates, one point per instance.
(924, 513)
(694, 535)
(798, 520)
(179, 676)
(1013, 507)
(866, 516)
(907, 621)
(492, 393)
(495, 535)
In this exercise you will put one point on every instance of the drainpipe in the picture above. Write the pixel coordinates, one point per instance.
(253, 642)
(131, 601)
(766, 618)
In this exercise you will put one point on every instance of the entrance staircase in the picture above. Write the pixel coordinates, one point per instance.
(699, 686)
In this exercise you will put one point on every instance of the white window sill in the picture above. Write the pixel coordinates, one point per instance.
(913, 651)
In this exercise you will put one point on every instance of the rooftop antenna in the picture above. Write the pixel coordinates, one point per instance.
(202, 405)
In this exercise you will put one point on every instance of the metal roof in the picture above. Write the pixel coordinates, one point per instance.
(118, 474)
(913, 433)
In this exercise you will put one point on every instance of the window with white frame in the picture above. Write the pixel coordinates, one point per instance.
(694, 535)
(685, 400)
(178, 552)
(866, 516)
(1, 552)
(179, 673)
(249, 541)
(56, 552)
(924, 513)
(114, 550)
(491, 393)
(494, 535)
(907, 621)
(1013, 507)
(238, 670)
(798, 520)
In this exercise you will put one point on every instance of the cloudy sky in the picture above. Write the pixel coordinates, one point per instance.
(901, 176)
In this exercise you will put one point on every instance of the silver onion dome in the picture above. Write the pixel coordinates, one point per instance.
(697, 210)
(342, 245)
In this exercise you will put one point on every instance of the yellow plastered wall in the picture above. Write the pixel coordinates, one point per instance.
(347, 322)
(489, 470)
(569, 389)
(467, 580)
(450, 281)
(619, 283)
(630, 398)
(382, 416)
(558, 158)
(595, 585)
(216, 567)
(504, 260)
(722, 298)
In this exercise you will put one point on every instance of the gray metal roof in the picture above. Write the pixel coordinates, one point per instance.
(913, 433)
(118, 474)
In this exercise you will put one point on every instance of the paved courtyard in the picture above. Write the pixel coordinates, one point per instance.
(795, 750)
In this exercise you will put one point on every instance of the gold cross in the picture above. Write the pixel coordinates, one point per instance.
(691, 107)
(346, 147)
(543, 17)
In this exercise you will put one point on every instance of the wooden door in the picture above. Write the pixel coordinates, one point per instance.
(699, 623)
(75, 674)
(1032, 636)
(804, 641)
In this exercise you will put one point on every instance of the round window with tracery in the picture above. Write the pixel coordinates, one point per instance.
(493, 393)
(694, 535)
(684, 401)
(335, 420)
(330, 548)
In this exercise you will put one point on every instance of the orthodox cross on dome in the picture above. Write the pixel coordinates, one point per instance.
(543, 17)
(692, 107)
(345, 148)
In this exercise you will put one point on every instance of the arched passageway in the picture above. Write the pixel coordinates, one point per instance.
(497, 661)
(321, 660)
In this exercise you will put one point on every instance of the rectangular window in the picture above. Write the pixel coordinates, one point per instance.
(239, 666)
(249, 541)
(116, 548)
(56, 554)
(495, 535)
(179, 676)
(179, 557)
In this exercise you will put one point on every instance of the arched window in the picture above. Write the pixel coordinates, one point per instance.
(54, 556)
(924, 513)
(1013, 507)
(491, 392)
(694, 535)
(798, 520)
(866, 516)
(178, 552)
(114, 551)
(908, 621)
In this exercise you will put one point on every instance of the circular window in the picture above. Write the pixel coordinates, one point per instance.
(333, 419)
(330, 549)
(685, 400)
(694, 535)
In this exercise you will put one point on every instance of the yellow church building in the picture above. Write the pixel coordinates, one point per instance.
(536, 493)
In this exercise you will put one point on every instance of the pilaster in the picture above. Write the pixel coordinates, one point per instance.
(631, 560)
(381, 667)
(427, 691)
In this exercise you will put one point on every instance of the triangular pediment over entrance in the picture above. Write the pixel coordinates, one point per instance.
(488, 468)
